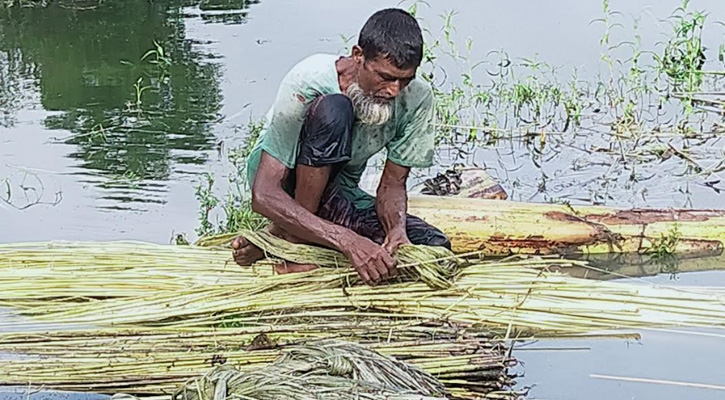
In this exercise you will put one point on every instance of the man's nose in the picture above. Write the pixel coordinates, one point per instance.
(392, 89)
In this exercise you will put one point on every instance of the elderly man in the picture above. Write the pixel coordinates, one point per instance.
(332, 114)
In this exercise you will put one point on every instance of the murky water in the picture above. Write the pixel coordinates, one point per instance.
(121, 157)
(33, 393)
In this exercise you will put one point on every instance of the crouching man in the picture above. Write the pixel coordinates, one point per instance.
(332, 114)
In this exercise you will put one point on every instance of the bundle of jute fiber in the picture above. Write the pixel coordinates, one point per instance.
(320, 370)
(76, 271)
(509, 297)
(436, 266)
(156, 361)
(55, 271)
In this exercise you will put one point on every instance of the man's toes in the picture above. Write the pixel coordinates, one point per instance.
(239, 242)
(248, 255)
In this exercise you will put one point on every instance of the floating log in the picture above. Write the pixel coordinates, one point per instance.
(501, 228)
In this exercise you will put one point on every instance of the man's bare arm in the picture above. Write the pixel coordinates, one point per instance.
(269, 199)
(392, 205)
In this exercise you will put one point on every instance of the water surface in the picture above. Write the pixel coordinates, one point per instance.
(122, 165)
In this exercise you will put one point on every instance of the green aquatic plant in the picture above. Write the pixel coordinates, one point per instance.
(139, 89)
(160, 56)
(236, 206)
(684, 56)
(207, 202)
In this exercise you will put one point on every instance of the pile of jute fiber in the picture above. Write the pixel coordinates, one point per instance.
(144, 318)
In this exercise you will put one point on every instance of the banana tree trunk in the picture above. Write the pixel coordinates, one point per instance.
(502, 228)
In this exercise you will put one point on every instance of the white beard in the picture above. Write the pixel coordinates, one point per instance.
(368, 110)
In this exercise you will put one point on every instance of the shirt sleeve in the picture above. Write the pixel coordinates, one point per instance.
(286, 119)
(414, 142)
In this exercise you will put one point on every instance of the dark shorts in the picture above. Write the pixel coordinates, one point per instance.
(326, 140)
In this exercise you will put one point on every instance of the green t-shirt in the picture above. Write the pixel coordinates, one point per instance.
(408, 136)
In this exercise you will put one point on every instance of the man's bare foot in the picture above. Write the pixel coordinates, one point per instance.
(290, 268)
(246, 253)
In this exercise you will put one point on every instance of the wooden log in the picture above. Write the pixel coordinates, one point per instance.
(502, 228)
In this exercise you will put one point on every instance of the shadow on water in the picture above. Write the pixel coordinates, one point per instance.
(131, 118)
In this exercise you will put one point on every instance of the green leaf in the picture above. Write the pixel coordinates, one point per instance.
(148, 53)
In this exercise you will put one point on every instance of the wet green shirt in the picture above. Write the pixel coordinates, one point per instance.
(408, 136)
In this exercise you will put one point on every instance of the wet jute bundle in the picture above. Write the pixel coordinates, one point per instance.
(318, 370)
(134, 285)
(437, 267)
(160, 294)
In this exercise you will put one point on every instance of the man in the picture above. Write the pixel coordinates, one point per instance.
(329, 117)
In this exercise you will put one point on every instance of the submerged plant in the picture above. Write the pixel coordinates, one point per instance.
(24, 189)
(160, 57)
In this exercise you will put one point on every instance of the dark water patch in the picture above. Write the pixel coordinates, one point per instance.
(131, 199)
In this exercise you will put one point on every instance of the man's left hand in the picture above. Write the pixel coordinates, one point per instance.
(395, 239)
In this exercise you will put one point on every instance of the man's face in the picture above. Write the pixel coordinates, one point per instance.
(380, 79)
(378, 82)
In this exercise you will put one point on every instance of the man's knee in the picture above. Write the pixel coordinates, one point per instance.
(326, 137)
(438, 238)
(420, 232)
(331, 111)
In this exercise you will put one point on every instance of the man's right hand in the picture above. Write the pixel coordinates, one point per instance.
(371, 261)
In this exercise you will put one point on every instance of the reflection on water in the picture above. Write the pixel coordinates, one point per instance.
(225, 11)
(131, 118)
(623, 266)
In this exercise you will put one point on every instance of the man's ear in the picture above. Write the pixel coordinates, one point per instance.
(357, 55)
